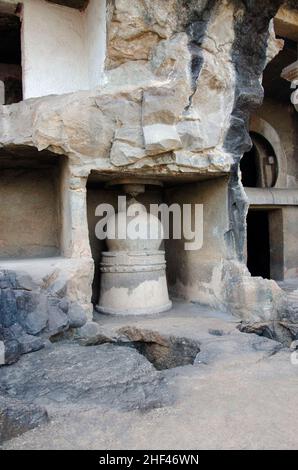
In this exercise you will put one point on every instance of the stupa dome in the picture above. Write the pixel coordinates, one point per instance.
(134, 230)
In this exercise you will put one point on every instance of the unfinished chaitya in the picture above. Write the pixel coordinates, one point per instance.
(142, 89)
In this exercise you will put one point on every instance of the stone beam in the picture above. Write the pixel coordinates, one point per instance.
(78, 4)
(272, 197)
(8, 6)
(286, 23)
(290, 73)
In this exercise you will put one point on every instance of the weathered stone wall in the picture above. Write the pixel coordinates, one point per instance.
(191, 273)
(40, 305)
(74, 40)
(29, 213)
(290, 229)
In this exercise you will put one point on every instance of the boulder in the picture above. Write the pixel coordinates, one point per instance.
(108, 375)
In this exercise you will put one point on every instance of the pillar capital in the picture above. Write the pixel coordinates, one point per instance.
(290, 73)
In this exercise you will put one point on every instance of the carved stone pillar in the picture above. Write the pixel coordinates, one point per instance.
(290, 73)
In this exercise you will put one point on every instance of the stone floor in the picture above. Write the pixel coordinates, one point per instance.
(238, 393)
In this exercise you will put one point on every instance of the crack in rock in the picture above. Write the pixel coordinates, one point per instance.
(164, 352)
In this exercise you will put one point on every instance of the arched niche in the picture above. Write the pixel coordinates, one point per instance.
(263, 128)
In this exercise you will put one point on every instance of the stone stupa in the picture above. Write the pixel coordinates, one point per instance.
(133, 271)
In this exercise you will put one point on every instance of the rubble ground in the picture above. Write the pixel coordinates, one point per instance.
(238, 392)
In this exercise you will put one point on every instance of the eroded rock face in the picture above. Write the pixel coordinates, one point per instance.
(250, 297)
(17, 417)
(160, 56)
(228, 347)
(283, 332)
(253, 47)
(283, 326)
(164, 352)
(30, 315)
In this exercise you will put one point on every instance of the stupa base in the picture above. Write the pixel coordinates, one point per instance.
(133, 283)
(135, 311)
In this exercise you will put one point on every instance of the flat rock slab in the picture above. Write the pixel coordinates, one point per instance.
(192, 321)
(17, 417)
(237, 347)
(66, 374)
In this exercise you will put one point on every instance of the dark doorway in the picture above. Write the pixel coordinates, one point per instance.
(249, 170)
(10, 58)
(258, 243)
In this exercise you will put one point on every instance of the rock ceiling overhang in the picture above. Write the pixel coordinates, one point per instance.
(78, 4)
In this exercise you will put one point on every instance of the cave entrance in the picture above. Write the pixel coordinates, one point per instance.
(258, 243)
(265, 243)
(10, 58)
